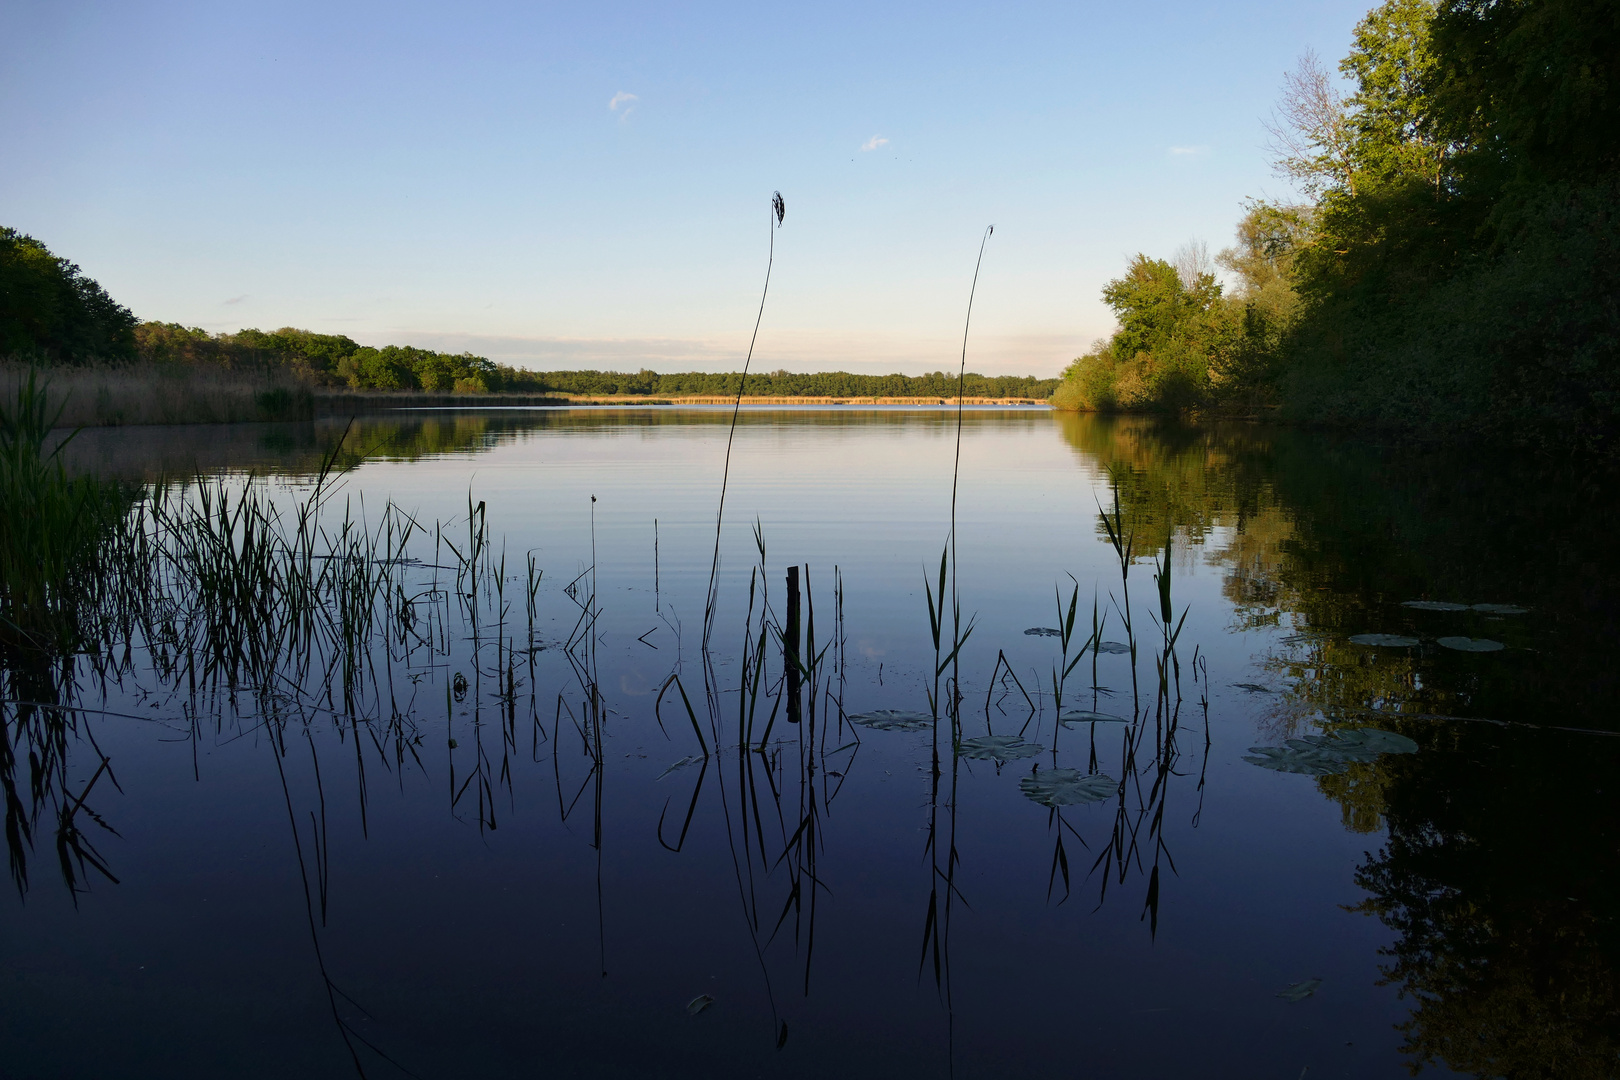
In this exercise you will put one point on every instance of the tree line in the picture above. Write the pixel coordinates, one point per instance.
(1451, 263)
(51, 313)
(333, 360)
(937, 384)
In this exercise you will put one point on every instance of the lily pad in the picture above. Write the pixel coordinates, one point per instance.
(1385, 742)
(1360, 744)
(1300, 990)
(1305, 760)
(1501, 609)
(1472, 644)
(998, 748)
(1068, 787)
(1392, 641)
(1328, 755)
(1043, 631)
(893, 720)
(1086, 716)
(1433, 605)
(1113, 647)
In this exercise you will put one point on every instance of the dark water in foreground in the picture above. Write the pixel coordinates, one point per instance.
(502, 876)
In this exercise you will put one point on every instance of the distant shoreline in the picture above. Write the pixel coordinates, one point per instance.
(152, 394)
(751, 399)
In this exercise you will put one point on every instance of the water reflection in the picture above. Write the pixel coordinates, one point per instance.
(1499, 869)
(1495, 853)
(300, 448)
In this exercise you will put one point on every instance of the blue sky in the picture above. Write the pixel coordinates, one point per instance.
(587, 185)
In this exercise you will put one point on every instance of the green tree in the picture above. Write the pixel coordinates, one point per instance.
(1269, 239)
(50, 310)
(1464, 263)
(321, 353)
(1176, 335)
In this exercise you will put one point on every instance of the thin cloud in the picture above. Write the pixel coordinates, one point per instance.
(1188, 151)
(874, 142)
(233, 301)
(625, 100)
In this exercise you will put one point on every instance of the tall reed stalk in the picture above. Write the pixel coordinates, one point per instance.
(778, 212)
(936, 615)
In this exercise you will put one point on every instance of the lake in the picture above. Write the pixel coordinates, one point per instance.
(555, 808)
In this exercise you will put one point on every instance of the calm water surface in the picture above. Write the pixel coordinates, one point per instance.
(487, 867)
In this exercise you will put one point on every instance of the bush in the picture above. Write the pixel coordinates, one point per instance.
(1090, 384)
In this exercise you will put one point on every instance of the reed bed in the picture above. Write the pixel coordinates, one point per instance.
(145, 393)
(94, 395)
(235, 604)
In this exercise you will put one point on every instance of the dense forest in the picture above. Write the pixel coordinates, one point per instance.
(1451, 266)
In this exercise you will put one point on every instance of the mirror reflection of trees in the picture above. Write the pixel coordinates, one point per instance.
(1500, 867)
(298, 449)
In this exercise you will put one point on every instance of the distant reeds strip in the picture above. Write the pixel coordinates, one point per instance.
(146, 393)
(95, 395)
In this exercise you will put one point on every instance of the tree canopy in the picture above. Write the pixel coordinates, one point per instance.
(1454, 267)
(50, 310)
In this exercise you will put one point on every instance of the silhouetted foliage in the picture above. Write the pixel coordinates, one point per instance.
(1457, 271)
(49, 310)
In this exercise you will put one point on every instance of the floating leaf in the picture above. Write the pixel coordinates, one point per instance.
(1501, 609)
(1376, 739)
(1357, 745)
(1433, 605)
(1330, 754)
(997, 748)
(1043, 631)
(1253, 688)
(1472, 644)
(698, 1004)
(1113, 647)
(1300, 990)
(1068, 787)
(677, 767)
(1393, 641)
(894, 720)
(1305, 760)
(1085, 716)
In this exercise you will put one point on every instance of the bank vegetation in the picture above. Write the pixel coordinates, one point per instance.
(1451, 264)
